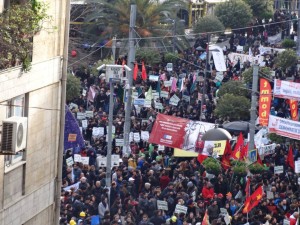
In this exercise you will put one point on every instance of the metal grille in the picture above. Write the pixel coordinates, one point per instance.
(7, 138)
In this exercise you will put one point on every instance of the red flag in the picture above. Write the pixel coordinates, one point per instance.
(290, 158)
(244, 152)
(247, 189)
(205, 219)
(225, 161)
(144, 72)
(201, 158)
(253, 200)
(259, 159)
(236, 154)
(135, 71)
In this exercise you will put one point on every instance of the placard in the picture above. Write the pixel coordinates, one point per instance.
(168, 83)
(161, 148)
(239, 48)
(227, 219)
(84, 92)
(186, 98)
(278, 169)
(285, 127)
(158, 105)
(169, 67)
(163, 205)
(139, 101)
(80, 115)
(223, 211)
(147, 103)
(115, 160)
(85, 160)
(219, 76)
(77, 158)
(89, 114)
(136, 137)
(153, 77)
(98, 131)
(101, 161)
(297, 166)
(145, 135)
(181, 209)
(72, 137)
(155, 95)
(164, 94)
(70, 161)
(113, 129)
(270, 195)
(286, 222)
(174, 100)
(131, 136)
(84, 124)
(119, 142)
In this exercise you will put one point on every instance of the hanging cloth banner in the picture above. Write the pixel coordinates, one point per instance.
(284, 127)
(265, 99)
(286, 89)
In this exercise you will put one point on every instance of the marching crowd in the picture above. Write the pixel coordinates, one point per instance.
(148, 177)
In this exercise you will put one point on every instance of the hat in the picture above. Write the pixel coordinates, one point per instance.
(72, 222)
(220, 195)
(131, 179)
(229, 194)
(82, 214)
(173, 218)
(190, 184)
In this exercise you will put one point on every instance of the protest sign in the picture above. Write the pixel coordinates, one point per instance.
(115, 160)
(297, 166)
(158, 105)
(101, 161)
(169, 67)
(73, 186)
(84, 124)
(84, 92)
(270, 195)
(274, 39)
(286, 222)
(218, 58)
(180, 209)
(284, 127)
(155, 95)
(163, 205)
(153, 77)
(139, 101)
(223, 211)
(72, 137)
(77, 158)
(174, 100)
(145, 135)
(168, 83)
(278, 169)
(69, 161)
(161, 148)
(89, 114)
(80, 115)
(98, 131)
(119, 142)
(186, 98)
(164, 94)
(219, 76)
(147, 103)
(85, 160)
(286, 89)
(267, 149)
(136, 137)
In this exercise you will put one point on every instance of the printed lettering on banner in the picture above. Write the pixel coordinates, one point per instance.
(70, 161)
(89, 114)
(297, 166)
(181, 209)
(77, 158)
(161, 148)
(84, 124)
(174, 100)
(267, 149)
(164, 94)
(278, 169)
(139, 101)
(145, 135)
(158, 105)
(239, 48)
(136, 137)
(186, 98)
(284, 127)
(72, 137)
(85, 160)
(101, 161)
(81, 116)
(163, 205)
(286, 89)
(270, 195)
(119, 142)
(113, 129)
(168, 83)
(115, 160)
(147, 103)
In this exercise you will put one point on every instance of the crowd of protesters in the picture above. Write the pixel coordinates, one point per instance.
(147, 175)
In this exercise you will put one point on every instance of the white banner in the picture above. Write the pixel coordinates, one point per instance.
(174, 100)
(286, 89)
(297, 166)
(181, 209)
(218, 57)
(163, 205)
(234, 57)
(278, 169)
(267, 149)
(284, 127)
(274, 39)
(145, 135)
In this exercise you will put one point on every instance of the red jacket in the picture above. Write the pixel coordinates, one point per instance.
(208, 193)
(164, 181)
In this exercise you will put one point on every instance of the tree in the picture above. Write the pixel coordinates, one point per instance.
(288, 43)
(233, 87)
(150, 56)
(234, 107)
(234, 13)
(171, 57)
(286, 59)
(262, 9)
(73, 87)
(153, 18)
(208, 23)
(248, 74)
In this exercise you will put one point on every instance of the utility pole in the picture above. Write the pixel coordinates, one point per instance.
(130, 61)
(205, 76)
(253, 116)
(113, 48)
(298, 31)
(174, 35)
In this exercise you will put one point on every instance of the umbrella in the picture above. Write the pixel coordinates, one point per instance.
(216, 134)
(237, 126)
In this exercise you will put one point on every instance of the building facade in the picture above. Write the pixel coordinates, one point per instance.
(28, 179)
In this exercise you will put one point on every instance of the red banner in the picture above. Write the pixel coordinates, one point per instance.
(265, 99)
(294, 109)
(177, 132)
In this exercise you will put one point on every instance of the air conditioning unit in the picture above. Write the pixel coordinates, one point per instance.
(14, 135)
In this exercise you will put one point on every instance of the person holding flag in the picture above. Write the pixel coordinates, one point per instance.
(253, 200)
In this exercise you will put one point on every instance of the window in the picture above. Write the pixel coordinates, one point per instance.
(16, 107)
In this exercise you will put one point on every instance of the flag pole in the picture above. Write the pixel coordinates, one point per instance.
(240, 210)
